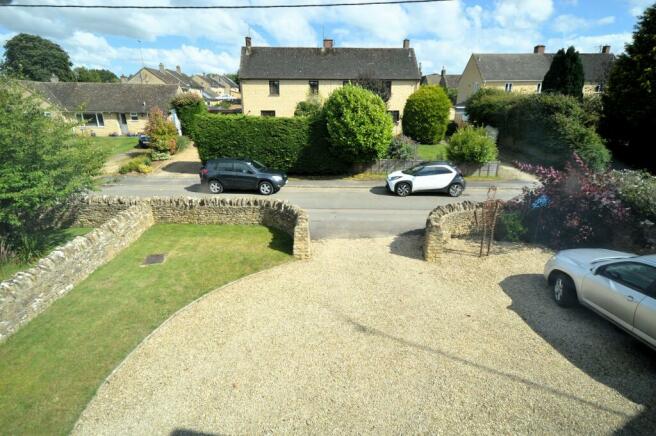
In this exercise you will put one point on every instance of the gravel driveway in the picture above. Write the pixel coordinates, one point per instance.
(367, 338)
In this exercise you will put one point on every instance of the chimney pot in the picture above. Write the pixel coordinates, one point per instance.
(406, 43)
(248, 41)
(327, 43)
(538, 49)
(161, 67)
(605, 49)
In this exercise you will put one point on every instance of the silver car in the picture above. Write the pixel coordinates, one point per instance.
(619, 286)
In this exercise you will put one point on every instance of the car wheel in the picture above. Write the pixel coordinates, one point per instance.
(455, 190)
(215, 187)
(265, 188)
(402, 189)
(564, 291)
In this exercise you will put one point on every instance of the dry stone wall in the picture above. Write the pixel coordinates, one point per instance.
(121, 221)
(457, 219)
(30, 292)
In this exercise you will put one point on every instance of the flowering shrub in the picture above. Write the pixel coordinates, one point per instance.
(572, 207)
(638, 190)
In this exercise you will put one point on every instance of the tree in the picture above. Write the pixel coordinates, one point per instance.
(42, 164)
(382, 88)
(565, 76)
(83, 74)
(426, 114)
(629, 104)
(359, 127)
(34, 58)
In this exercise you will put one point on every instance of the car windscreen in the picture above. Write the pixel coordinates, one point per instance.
(258, 165)
(414, 170)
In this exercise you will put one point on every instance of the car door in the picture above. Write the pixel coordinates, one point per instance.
(226, 174)
(615, 290)
(245, 177)
(443, 176)
(644, 324)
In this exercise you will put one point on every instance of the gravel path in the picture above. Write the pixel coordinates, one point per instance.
(367, 338)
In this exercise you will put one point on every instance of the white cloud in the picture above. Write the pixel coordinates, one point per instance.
(572, 24)
(522, 14)
(592, 44)
(637, 7)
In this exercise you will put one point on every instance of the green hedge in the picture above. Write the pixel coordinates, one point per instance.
(543, 129)
(297, 145)
(187, 105)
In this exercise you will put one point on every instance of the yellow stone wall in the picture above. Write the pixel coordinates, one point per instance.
(147, 78)
(470, 76)
(112, 125)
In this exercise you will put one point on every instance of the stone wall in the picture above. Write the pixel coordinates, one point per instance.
(30, 292)
(457, 219)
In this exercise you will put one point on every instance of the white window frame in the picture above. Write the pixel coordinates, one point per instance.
(538, 90)
(134, 116)
(508, 87)
(97, 116)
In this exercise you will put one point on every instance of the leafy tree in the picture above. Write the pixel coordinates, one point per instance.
(629, 105)
(42, 164)
(34, 58)
(382, 88)
(565, 76)
(426, 114)
(83, 74)
(359, 127)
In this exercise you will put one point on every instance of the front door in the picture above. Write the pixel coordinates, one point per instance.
(123, 123)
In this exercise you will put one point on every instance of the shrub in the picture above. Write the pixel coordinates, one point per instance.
(545, 129)
(139, 164)
(159, 155)
(182, 142)
(310, 107)
(471, 145)
(187, 105)
(42, 164)
(402, 147)
(161, 131)
(637, 189)
(297, 145)
(359, 127)
(426, 114)
(510, 227)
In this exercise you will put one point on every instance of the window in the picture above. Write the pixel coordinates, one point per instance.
(396, 116)
(134, 116)
(632, 274)
(442, 170)
(538, 89)
(242, 168)
(91, 119)
(599, 88)
(314, 86)
(508, 87)
(274, 87)
(225, 166)
(268, 113)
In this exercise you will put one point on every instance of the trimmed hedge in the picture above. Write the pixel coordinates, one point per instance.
(544, 129)
(297, 145)
(187, 105)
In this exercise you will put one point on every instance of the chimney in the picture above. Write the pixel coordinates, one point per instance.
(161, 67)
(443, 73)
(327, 43)
(406, 43)
(178, 69)
(538, 49)
(605, 49)
(248, 42)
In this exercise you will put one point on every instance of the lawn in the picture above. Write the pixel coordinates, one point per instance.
(51, 368)
(52, 240)
(431, 151)
(114, 145)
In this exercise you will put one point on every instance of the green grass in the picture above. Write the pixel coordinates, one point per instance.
(114, 145)
(51, 240)
(51, 368)
(431, 151)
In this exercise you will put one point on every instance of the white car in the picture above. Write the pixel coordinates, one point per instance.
(619, 286)
(437, 176)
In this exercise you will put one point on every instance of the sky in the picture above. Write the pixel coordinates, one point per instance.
(209, 41)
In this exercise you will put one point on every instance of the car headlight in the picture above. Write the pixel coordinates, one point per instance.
(391, 179)
(276, 178)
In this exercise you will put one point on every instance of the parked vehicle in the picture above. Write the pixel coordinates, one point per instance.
(619, 286)
(144, 141)
(241, 174)
(437, 176)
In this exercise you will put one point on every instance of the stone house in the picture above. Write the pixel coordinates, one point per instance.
(165, 76)
(217, 84)
(275, 79)
(524, 72)
(104, 109)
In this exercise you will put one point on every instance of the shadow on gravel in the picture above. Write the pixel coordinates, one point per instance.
(187, 432)
(592, 344)
(409, 244)
(182, 167)
(196, 187)
(382, 190)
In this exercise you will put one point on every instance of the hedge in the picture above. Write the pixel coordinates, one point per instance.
(297, 145)
(543, 129)
(187, 105)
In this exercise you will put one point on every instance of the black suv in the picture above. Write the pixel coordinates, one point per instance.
(240, 174)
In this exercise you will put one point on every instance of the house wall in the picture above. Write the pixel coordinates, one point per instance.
(112, 125)
(522, 87)
(146, 77)
(256, 98)
(470, 76)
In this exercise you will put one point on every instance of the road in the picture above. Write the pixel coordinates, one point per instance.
(337, 208)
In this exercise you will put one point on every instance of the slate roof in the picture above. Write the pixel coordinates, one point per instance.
(105, 97)
(532, 66)
(170, 77)
(334, 63)
(451, 80)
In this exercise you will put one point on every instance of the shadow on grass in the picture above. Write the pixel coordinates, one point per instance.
(590, 343)
(281, 241)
